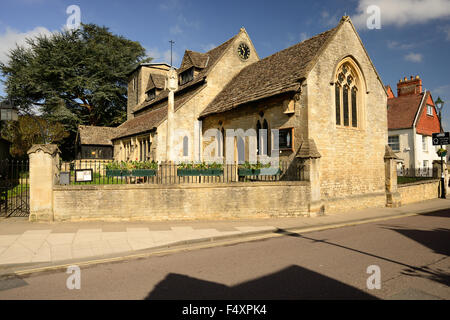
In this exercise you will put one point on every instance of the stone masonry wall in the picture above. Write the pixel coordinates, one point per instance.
(246, 117)
(352, 160)
(220, 74)
(180, 202)
(419, 191)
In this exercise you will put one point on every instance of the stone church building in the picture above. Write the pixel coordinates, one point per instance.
(323, 95)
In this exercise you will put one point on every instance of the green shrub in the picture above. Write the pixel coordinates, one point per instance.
(200, 166)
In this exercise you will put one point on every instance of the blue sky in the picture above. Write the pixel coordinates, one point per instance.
(414, 38)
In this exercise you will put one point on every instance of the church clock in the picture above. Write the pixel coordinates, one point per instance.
(243, 51)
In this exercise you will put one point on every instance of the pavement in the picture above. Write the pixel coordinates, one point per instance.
(29, 246)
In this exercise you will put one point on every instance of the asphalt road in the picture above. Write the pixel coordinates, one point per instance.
(411, 253)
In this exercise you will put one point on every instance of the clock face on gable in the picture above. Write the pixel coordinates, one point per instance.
(243, 51)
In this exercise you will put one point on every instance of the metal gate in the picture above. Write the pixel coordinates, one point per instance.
(14, 188)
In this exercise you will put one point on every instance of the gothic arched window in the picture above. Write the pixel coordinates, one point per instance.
(185, 146)
(266, 143)
(258, 137)
(347, 91)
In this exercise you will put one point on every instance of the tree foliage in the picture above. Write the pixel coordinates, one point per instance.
(29, 130)
(75, 77)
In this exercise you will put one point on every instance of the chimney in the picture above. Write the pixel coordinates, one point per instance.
(411, 86)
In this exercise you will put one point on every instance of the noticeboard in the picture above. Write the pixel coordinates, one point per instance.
(442, 138)
(83, 175)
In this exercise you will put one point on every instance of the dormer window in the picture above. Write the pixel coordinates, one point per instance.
(186, 76)
(151, 94)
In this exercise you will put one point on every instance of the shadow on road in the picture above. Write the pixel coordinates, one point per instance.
(445, 213)
(290, 283)
(437, 240)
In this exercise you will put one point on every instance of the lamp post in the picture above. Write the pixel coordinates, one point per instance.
(439, 105)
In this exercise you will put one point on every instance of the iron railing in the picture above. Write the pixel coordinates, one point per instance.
(14, 188)
(418, 172)
(169, 173)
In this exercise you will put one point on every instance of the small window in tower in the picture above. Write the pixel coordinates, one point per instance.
(187, 76)
(285, 138)
(151, 94)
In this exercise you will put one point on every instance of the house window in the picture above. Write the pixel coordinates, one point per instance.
(424, 143)
(394, 143)
(187, 76)
(425, 163)
(285, 138)
(429, 110)
(347, 85)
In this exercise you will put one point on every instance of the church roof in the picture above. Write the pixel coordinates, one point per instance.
(92, 135)
(156, 81)
(212, 56)
(194, 59)
(278, 73)
(150, 119)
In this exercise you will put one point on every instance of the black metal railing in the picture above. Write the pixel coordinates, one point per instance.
(410, 175)
(98, 173)
(14, 188)
(418, 172)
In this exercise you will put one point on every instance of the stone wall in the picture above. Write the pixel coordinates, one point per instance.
(180, 202)
(221, 73)
(247, 116)
(352, 158)
(419, 191)
(357, 202)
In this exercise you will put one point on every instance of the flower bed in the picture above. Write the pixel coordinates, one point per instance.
(257, 169)
(133, 168)
(199, 169)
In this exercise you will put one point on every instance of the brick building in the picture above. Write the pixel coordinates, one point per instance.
(412, 119)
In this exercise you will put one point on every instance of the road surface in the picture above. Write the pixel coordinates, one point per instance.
(410, 253)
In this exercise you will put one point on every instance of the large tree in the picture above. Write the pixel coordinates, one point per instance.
(74, 76)
(29, 130)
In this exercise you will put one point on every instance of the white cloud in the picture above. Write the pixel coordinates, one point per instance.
(402, 12)
(11, 37)
(208, 47)
(442, 90)
(176, 29)
(414, 57)
(303, 36)
(170, 5)
(328, 20)
(296, 38)
(447, 32)
(163, 56)
(399, 45)
(444, 93)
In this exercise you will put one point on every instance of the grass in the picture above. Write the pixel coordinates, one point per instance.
(405, 180)
(16, 191)
(97, 179)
